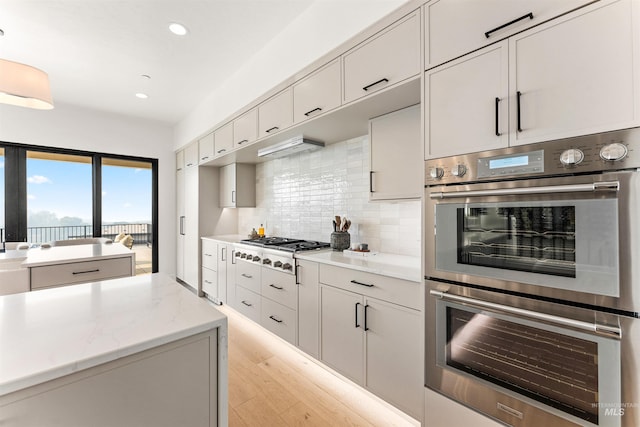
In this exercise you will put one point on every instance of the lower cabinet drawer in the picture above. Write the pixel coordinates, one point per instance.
(279, 319)
(280, 287)
(210, 282)
(248, 276)
(248, 303)
(80, 272)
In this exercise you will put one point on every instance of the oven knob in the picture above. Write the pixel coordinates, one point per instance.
(613, 152)
(249, 257)
(266, 261)
(256, 258)
(243, 256)
(436, 173)
(572, 156)
(458, 170)
(277, 264)
(238, 254)
(286, 266)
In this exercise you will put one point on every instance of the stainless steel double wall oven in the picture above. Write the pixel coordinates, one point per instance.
(533, 272)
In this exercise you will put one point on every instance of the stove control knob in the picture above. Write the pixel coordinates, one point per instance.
(286, 266)
(572, 156)
(243, 255)
(614, 151)
(238, 254)
(249, 257)
(277, 264)
(256, 258)
(436, 173)
(266, 261)
(458, 170)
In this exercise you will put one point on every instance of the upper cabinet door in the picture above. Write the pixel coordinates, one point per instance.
(276, 113)
(205, 148)
(466, 103)
(318, 93)
(456, 27)
(191, 155)
(223, 140)
(245, 129)
(388, 58)
(180, 160)
(577, 75)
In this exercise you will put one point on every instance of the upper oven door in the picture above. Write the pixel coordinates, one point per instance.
(568, 238)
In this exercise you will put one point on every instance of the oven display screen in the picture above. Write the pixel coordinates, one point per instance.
(555, 369)
(508, 162)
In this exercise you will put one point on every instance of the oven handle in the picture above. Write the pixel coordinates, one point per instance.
(609, 331)
(596, 186)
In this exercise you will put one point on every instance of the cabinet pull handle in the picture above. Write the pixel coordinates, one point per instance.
(246, 303)
(276, 287)
(308, 113)
(248, 276)
(182, 225)
(275, 319)
(206, 254)
(206, 281)
(367, 87)
(528, 15)
(357, 324)
(371, 182)
(497, 115)
(233, 196)
(272, 129)
(189, 164)
(233, 256)
(518, 96)
(366, 328)
(224, 254)
(368, 285)
(86, 272)
(204, 158)
(242, 142)
(222, 150)
(297, 268)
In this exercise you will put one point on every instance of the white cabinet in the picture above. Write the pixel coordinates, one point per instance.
(456, 27)
(210, 284)
(180, 213)
(180, 160)
(276, 113)
(318, 93)
(245, 129)
(576, 75)
(191, 155)
(210, 265)
(371, 332)
(467, 103)
(396, 166)
(238, 185)
(205, 148)
(223, 140)
(190, 228)
(391, 56)
(308, 308)
(49, 276)
(223, 255)
(561, 79)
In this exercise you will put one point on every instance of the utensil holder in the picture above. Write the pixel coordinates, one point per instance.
(340, 240)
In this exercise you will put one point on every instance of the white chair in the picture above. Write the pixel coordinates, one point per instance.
(16, 246)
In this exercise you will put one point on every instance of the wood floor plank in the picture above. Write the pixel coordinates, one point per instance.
(240, 388)
(235, 420)
(303, 415)
(258, 412)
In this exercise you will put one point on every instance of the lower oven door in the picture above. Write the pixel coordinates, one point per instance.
(525, 365)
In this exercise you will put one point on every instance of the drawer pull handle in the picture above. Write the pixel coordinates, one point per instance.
(248, 276)
(222, 150)
(367, 87)
(368, 285)
(208, 255)
(308, 113)
(204, 158)
(272, 129)
(528, 15)
(275, 319)
(88, 271)
(246, 303)
(276, 287)
(242, 142)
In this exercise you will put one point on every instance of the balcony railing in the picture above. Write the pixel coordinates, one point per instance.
(141, 232)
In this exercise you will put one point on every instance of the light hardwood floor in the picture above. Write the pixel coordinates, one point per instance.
(272, 384)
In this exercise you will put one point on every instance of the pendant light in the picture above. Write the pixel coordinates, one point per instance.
(24, 85)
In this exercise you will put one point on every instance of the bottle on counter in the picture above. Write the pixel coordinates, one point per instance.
(261, 231)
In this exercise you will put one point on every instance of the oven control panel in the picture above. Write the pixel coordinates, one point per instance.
(607, 151)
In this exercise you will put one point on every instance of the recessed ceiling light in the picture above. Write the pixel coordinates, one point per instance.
(177, 29)
(142, 95)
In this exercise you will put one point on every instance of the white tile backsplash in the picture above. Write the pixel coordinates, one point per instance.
(298, 196)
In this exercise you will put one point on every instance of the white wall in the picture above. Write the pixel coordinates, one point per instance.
(319, 29)
(298, 196)
(82, 129)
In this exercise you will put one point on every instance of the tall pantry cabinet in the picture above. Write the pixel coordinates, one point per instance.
(196, 197)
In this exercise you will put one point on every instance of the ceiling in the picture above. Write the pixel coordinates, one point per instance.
(96, 51)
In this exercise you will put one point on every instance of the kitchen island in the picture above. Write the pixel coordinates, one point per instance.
(137, 351)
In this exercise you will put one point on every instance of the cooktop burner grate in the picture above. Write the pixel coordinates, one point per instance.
(286, 244)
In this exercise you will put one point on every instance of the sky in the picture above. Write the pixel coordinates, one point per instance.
(64, 189)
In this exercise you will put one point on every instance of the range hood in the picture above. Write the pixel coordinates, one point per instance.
(294, 145)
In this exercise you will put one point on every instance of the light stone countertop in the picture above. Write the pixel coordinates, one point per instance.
(392, 265)
(227, 238)
(36, 257)
(51, 333)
